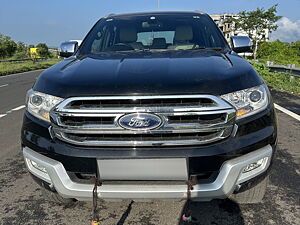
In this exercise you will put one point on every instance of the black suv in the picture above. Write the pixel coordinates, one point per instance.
(146, 103)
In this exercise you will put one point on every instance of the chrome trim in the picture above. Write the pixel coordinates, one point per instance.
(158, 119)
(141, 110)
(230, 113)
(185, 113)
(62, 106)
(194, 128)
(218, 106)
(234, 130)
(68, 48)
(227, 180)
(241, 42)
(128, 143)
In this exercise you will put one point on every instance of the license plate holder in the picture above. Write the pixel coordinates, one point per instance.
(143, 169)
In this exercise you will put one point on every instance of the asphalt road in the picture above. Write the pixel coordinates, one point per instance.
(21, 201)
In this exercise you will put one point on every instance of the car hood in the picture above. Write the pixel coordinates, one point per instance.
(148, 73)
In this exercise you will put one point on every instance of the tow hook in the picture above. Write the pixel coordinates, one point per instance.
(96, 219)
(187, 217)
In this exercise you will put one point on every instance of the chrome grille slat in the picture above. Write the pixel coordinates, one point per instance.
(118, 114)
(141, 110)
(80, 126)
(129, 143)
(119, 131)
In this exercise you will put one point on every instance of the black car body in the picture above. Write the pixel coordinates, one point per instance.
(145, 109)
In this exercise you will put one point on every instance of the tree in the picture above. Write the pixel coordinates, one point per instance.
(21, 47)
(22, 51)
(255, 23)
(42, 49)
(7, 46)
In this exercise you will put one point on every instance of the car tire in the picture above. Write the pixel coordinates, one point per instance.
(56, 198)
(252, 195)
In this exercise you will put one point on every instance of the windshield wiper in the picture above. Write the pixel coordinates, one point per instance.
(208, 48)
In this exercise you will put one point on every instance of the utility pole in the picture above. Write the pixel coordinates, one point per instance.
(158, 4)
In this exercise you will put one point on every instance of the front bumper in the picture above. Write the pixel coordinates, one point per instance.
(228, 179)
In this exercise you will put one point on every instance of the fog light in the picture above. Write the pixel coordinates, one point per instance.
(253, 169)
(38, 170)
(255, 165)
(37, 166)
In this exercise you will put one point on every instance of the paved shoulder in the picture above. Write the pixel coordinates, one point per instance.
(286, 100)
(13, 89)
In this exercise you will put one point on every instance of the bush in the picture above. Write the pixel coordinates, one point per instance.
(21, 55)
(42, 50)
(279, 52)
(278, 81)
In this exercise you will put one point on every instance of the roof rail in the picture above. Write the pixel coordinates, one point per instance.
(111, 14)
(199, 11)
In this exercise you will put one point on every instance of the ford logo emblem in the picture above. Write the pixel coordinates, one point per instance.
(140, 121)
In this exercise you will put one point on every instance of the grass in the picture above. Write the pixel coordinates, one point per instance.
(279, 81)
(10, 68)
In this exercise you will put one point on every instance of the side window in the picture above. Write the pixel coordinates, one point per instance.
(98, 41)
(104, 39)
(215, 39)
(96, 46)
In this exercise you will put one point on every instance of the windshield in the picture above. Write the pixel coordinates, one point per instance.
(157, 32)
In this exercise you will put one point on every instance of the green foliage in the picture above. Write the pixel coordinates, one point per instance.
(12, 50)
(21, 55)
(21, 47)
(7, 46)
(42, 50)
(278, 81)
(280, 53)
(254, 23)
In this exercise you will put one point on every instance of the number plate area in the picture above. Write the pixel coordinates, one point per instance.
(174, 169)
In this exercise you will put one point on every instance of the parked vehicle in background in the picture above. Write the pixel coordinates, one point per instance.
(147, 102)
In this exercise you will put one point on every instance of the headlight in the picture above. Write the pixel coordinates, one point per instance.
(39, 104)
(248, 101)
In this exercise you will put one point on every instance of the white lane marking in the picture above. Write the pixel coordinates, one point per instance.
(288, 112)
(4, 85)
(14, 109)
(18, 108)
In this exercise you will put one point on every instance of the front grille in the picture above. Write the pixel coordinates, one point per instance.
(202, 119)
(187, 120)
(79, 104)
(86, 121)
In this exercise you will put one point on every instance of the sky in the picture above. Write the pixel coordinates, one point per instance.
(55, 21)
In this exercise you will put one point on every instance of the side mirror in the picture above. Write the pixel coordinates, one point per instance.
(241, 44)
(68, 48)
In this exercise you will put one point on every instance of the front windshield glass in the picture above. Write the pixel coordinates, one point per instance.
(157, 32)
